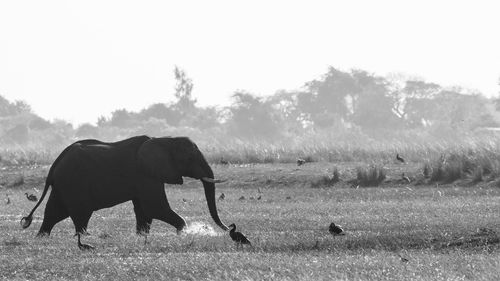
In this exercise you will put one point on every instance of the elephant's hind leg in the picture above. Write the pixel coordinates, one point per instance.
(55, 211)
(81, 220)
(143, 223)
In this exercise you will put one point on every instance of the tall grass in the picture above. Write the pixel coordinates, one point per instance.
(372, 176)
(448, 158)
(480, 164)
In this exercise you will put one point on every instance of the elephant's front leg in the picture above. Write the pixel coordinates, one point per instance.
(155, 205)
(143, 223)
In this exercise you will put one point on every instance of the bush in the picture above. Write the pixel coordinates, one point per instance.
(372, 176)
(327, 180)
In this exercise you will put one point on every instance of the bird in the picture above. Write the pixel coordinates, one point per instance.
(399, 158)
(31, 197)
(242, 198)
(288, 197)
(104, 235)
(222, 196)
(405, 178)
(300, 162)
(335, 229)
(403, 259)
(184, 200)
(7, 202)
(260, 197)
(238, 237)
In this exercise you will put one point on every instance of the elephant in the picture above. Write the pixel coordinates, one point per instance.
(90, 175)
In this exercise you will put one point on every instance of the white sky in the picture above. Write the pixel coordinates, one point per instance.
(77, 60)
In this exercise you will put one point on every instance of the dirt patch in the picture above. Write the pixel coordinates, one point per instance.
(482, 237)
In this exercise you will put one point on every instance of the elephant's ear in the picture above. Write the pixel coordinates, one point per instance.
(156, 160)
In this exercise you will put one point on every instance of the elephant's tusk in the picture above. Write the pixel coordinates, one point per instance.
(212, 180)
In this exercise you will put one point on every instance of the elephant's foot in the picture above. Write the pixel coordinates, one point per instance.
(180, 231)
(84, 246)
(42, 234)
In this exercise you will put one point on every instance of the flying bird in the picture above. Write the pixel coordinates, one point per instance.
(300, 162)
(31, 197)
(399, 158)
(238, 237)
(335, 229)
(222, 196)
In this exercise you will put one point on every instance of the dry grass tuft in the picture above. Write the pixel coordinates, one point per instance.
(18, 181)
(327, 180)
(372, 176)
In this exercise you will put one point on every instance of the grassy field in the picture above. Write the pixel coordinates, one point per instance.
(444, 231)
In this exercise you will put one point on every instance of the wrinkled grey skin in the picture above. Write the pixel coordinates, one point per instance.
(90, 175)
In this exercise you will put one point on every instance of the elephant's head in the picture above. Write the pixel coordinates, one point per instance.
(169, 159)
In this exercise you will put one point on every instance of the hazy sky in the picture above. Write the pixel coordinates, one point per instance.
(78, 60)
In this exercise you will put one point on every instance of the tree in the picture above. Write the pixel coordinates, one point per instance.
(252, 116)
(372, 105)
(462, 111)
(161, 111)
(286, 105)
(203, 118)
(183, 89)
(497, 102)
(87, 130)
(121, 118)
(8, 108)
(326, 101)
(414, 103)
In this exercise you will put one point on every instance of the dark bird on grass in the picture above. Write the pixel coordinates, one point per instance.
(242, 198)
(104, 235)
(7, 201)
(260, 197)
(238, 237)
(184, 200)
(223, 162)
(222, 196)
(31, 197)
(403, 259)
(399, 158)
(335, 229)
(288, 197)
(405, 178)
(300, 162)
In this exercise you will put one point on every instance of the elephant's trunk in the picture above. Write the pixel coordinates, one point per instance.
(210, 195)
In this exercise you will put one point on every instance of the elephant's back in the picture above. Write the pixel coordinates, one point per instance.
(99, 174)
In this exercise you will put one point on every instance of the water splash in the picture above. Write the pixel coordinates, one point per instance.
(200, 228)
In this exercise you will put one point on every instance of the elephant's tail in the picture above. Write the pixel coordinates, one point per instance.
(26, 221)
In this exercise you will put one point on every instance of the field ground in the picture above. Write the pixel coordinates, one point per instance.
(445, 232)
